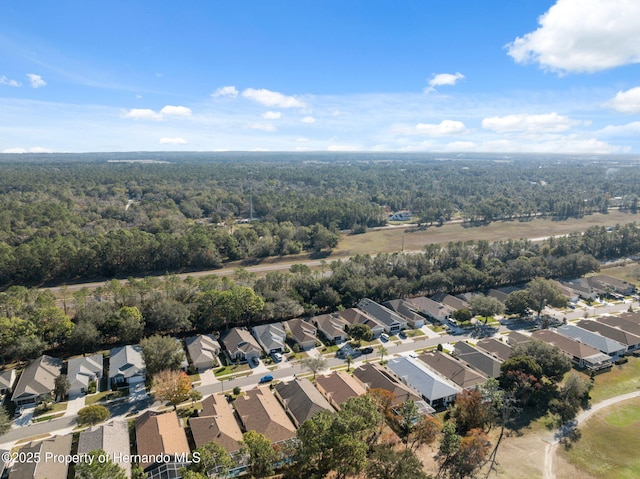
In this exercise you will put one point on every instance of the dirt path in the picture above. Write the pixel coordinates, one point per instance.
(550, 450)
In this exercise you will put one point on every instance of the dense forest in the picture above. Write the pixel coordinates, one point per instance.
(73, 217)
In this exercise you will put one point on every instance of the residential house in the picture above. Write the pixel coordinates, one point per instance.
(353, 316)
(583, 355)
(112, 438)
(452, 369)
(271, 337)
(432, 309)
(83, 370)
(581, 287)
(436, 390)
(332, 327)
(495, 347)
(400, 216)
(241, 346)
(37, 381)
(338, 387)
(477, 359)
(216, 422)
(126, 366)
(47, 467)
(407, 310)
(569, 292)
(515, 338)
(607, 346)
(631, 341)
(301, 399)
(497, 294)
(607, 284)
(392, 321)
(260, 411)
(302, 332)
(451, 301)
(203, 351)
(7, 378)
(372, 376)
(618, 322)
(633, 316)
(158, 435)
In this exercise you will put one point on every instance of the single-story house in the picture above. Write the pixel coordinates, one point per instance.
(631, 316)
(477, 359)
(497, 294)
(271, 337)
(372, 376)
(260, 411)
(406, 310)
(452, 302)
(47, 467)
(392, 321)
(7, 378)
(606, 283)
(112, 438)
(81, 371)
(495, 347)
(602, 343)
(569, 292)
(301, 399)
(338, 387)
(216, 422)
(240, 345)
(158, 435)
(355, 316)
(203, 351)
(581, 287)
(631, 341)
(514, 338)
(436, 390)
(623, 324)
(400, 216)
(452, 369)
(332, 327)
(583, 355)
(37, 381)
(302, 332)
(126, 366)
(432, 309)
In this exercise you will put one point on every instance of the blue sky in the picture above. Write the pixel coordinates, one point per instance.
(327, 75)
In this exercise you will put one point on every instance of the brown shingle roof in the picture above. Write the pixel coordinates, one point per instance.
(160, 434)
(260, 411)
(452, 369)
(374, 377)
(216, 422)
(338, 387)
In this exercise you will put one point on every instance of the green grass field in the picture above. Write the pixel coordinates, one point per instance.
(608, 447)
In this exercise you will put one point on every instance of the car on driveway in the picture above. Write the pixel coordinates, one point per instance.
(277, 357)
(266, 379)
(367, 350)
(255, 361)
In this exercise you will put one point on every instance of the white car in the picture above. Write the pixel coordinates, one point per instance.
(277, 357)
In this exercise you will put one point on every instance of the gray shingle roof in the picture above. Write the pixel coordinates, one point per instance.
(270, 336)
(112, 438)
(302, 399)
(126, 361)
(385, 315)
(38, 377)
(203, 350)
(82, 370)
(617, 334)
(428, 383)
(480, 360)
(606, 345)
(452, 369)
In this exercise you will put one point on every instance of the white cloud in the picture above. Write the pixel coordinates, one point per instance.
(547, 123)
(171, 110)
(148, 114)
(582, 36)
(308, 120)
(35, 149)
(6, 81)
(272, 98)
(36, 81)
(225, 92)
(344, 147)
(173, 141)
(443, 79)
(626, 101)
(444, 128)
(262, 126)
(630, 129)
(142, 114)
(271, 115)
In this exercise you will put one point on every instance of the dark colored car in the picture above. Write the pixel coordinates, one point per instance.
(367, 350)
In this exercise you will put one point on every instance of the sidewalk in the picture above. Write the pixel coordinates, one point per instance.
(74, 405)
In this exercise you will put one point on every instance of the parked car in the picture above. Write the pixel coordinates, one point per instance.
(384, 337)
(255, 361)
(402, 334)
(277, 357)
(367, 350)
(266, 379)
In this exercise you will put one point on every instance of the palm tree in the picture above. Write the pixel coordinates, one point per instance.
(382, 351)
(349, 358)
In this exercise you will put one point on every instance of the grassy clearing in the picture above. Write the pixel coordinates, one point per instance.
(620, 380)
(609, 443)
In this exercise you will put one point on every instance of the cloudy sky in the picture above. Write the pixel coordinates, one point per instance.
(333, 75)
